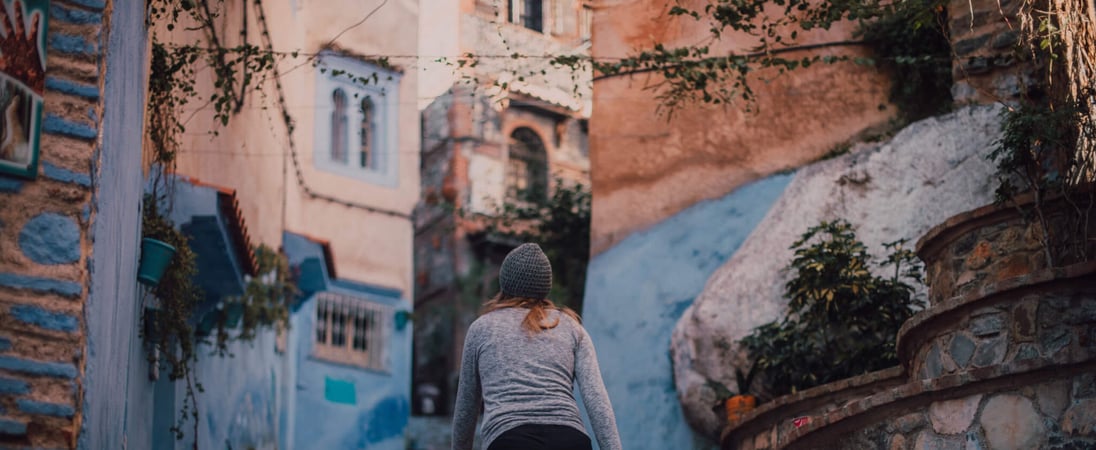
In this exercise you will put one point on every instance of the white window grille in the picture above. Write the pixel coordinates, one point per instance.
(351, 330)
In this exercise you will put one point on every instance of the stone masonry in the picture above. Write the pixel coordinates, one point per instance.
(45, 244)
(1003, 359)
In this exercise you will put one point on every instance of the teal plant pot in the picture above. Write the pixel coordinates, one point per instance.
(155, 257)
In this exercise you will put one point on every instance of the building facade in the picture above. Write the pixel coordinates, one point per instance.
(494, 131)
(319, 162)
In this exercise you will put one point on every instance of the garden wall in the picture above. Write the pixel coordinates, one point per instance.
(1004, 358)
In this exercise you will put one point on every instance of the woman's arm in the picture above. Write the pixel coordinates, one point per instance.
(594, 396)
(466, 410)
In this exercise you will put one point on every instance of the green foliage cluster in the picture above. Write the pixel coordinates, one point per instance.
(1041, 153)
(560, 223)
(842, 320)
(1037, 148)
(910, 44)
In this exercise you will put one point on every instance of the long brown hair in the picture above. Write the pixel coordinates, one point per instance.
(535, 320)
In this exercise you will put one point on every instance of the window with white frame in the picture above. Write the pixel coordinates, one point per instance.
(356, 132)
(351, 330)
(527, 13)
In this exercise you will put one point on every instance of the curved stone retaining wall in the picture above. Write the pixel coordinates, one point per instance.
(1005, 358)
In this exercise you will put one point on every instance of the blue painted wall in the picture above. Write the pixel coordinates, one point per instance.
(337, 406)
(637, 291)
(239, 407)
(117, 396)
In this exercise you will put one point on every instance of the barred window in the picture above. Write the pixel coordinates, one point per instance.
(351, 330)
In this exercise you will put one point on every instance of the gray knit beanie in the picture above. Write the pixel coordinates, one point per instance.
(526, 272)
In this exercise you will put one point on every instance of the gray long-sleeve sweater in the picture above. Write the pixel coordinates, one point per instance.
(528, 378)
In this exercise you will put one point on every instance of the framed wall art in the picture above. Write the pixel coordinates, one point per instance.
(22, 84)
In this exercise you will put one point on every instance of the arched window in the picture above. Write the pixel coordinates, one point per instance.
(368, 134)
(339, 127)
(527, 166)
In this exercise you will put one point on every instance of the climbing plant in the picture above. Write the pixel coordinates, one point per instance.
(169, 322)
(171, 310)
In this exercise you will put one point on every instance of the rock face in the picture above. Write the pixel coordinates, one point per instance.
(931, 170)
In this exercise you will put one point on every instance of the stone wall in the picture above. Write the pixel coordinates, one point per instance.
(985, 37)
(893, 190)
(46, 244)
(1007, 361)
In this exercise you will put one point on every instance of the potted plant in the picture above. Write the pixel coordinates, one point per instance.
(733, 405)
(739, 404)
(155, 257)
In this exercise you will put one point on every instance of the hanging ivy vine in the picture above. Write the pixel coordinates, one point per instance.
(169, 320)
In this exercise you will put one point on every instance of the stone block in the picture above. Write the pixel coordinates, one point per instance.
(41, 285)
(50, 238)
(1023, 320)
(954, 416)
(1010, 422)
(990, 352)
(929, 441)
(980, 256)
(1054, 339)
(1084, 386)
(1080, 419)
(45, 409)
(1006, 39)
(9, 427)
(987, 325)
(761, 441)
(33, 315)
(974, 441)
(908, 423)
(961, 349)
(933, 366)
(57, 125)
(58, 173)
(898, 442)
(976, 65)
(1026, 351)
(967, 46)
(74, 16)
(13, 386)
(1053, 397)
(1012, 267)
(1085, 313)
(31, 367)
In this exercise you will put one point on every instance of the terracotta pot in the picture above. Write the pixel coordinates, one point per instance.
(738, 405)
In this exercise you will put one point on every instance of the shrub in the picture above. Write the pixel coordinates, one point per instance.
(842, 320)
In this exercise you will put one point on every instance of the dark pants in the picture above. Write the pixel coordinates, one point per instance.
(541, 437)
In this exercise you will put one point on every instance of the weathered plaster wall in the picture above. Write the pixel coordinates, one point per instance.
(338, 406)
(637, 291)
(647, 167)
(370, 247)
(47, 232)
(239, 405)
(115, 378)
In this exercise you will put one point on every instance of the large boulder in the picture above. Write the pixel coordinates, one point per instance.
(929, 171)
